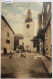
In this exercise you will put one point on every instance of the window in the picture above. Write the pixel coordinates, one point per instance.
(7, 34)
(27, 25)
(8, 41)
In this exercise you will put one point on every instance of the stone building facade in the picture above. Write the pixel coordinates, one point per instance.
(45, 34)
(7, 36)
(40, 33)
(45, 31)
(28, 32)
(48, 31)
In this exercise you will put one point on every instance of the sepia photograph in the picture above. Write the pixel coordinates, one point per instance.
(26, 40)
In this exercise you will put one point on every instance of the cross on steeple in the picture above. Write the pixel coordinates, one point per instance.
(29, 5)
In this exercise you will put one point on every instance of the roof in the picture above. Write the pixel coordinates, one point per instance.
(29, 16)
(7, 23)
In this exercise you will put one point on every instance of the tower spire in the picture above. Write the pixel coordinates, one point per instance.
(29, 16)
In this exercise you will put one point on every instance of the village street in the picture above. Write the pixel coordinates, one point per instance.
(18, 67)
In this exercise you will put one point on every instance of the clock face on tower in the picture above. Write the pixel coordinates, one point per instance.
(28, 35)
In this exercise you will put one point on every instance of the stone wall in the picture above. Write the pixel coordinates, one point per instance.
(4, 29)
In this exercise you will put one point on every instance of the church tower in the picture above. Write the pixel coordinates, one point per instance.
(28, 31)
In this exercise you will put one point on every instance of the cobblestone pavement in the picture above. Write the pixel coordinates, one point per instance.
(18, 67)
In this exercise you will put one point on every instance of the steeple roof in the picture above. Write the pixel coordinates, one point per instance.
(29, 16)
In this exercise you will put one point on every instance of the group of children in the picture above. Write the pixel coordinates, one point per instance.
(23, 54)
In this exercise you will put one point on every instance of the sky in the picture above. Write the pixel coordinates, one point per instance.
(16, 14)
